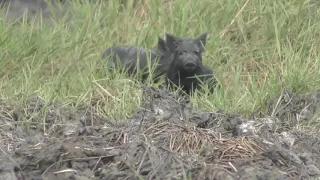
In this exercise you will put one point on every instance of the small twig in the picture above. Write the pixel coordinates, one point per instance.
(234, 168)
(75, 159)
(143, 156)
(124, 138)
(276, 106)
(96, 164)
(4, 152)
(142, 120)
(64, 171)
(118, 139)
(104, 90)
(278, 103)
(223, 153)
(158, 124)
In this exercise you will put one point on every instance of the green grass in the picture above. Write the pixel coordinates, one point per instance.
(270, 45)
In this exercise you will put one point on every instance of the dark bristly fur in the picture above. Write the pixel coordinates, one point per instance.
(132, 57)
(187, 68)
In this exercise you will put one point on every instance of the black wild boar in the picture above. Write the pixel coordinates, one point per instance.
(133, 58)
(186, 68)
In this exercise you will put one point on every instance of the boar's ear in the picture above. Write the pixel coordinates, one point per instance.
(162, 45)
(201, 41)
(173, 42)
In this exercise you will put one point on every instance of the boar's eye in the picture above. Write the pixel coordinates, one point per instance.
(197, 52)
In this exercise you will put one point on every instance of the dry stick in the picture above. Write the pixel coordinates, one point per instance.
(234, 168)
(65, 160)
(144, 155)
(64, 171)
(104, 90)
(95, 166)
(278, 104)
(224, 152)
(226, 29)
(142, 119)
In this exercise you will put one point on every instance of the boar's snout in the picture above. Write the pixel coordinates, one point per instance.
(190, 64)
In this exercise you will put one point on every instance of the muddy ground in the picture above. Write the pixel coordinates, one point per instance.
(162, 140)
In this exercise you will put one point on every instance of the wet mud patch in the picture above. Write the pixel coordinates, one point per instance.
(294, 110)
(165, 139)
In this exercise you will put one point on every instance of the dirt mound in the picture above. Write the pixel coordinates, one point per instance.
(164, 139)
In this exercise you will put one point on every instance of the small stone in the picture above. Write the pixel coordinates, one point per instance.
(247, 128)
(81, 130)
(305, 157)
(305, 114)
(115, 152)
(287, 138)
(88, 130)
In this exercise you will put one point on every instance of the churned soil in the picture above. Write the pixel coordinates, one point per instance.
(164, 139)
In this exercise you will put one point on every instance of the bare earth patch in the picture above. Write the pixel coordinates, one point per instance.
(163, 140)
